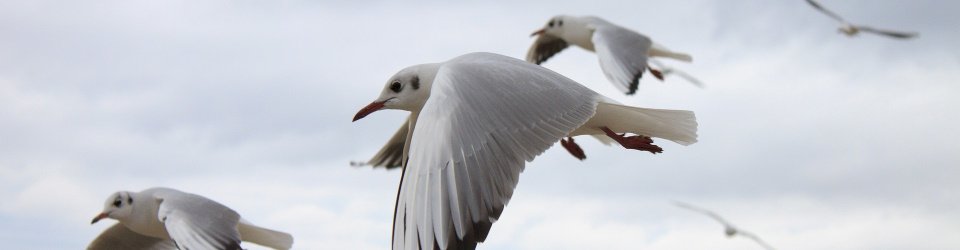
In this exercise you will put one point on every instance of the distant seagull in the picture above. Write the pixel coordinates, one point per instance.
(667, 70)
(852, 30)
(475, 120)
(622, 52)
(159, 218)
(728, 228)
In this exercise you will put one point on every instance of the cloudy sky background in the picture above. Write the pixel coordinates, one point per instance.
(809, 139)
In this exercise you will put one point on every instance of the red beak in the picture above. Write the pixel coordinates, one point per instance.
(538, 32)
(98, 218)
(373, 107)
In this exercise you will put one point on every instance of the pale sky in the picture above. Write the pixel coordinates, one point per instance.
(810, 139)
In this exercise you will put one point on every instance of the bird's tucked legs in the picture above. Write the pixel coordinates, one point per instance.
(656, 73)
(573, 148)
(638, 142)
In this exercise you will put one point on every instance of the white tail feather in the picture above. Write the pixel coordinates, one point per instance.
(660, 51)
(679, 126)
(264, 237)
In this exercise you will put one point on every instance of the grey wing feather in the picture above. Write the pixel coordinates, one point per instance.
(623, 55)
(829, 13)
(890, 33)
(486, 116)
(390, 155)
(545, 47)
(195, 222)
(119, 236)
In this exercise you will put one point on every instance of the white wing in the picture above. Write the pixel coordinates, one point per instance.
(390, 155)
(829, 13)
(545, 47)
(889, 33)
(706, 212)
(622, 54)
(195, 222)
(487, 114)
(119, 237)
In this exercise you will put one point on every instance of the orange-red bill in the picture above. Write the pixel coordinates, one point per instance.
(538, 32)
(99, 217)
(373, 107)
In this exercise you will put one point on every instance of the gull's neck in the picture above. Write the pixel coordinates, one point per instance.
(578, 31)
(427, 73)
(144, 218)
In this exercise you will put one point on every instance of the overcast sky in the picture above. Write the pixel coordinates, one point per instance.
(810, 139)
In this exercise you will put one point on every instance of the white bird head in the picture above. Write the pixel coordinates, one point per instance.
(555, 27)
(118, 207)
(407, 90)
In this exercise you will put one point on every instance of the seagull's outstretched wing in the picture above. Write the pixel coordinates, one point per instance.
(755, 238)
(667, 70)
(709, 213)
(486, 116)
(889, 33)
(390, 155)
(545, 47)
(623, 55)
(825, 11)
(195, 222)
(120, 237)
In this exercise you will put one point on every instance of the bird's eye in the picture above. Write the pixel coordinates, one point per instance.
(560, 23)
(395, 87)
(117, 202)
(550, 23)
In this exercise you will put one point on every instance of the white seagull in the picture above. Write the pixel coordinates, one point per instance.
(852, 29)
(622, 52)
(728, 228)
(163, 218)
(475, 120)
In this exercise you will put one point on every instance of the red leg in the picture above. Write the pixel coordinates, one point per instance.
(638, 142)
(656, 73)
(573, 148)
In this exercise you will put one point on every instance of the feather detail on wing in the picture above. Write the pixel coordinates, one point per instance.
(545, 47)
(622, 54)
(119, 236)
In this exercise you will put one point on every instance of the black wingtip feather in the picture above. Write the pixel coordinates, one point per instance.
(635, 83)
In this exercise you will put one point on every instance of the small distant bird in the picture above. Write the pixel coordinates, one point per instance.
(622, 52)
(158, 218)
(852, 29)
(728, 228)
(475, 121)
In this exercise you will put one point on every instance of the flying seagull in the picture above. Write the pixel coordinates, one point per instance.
(728, 228)
(852, 29)
(475, 120)
(623, 53)
(158, 218)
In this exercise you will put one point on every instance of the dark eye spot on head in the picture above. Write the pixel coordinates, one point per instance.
(415, 82)
(130, 200)
(560, 23)
(395, 87)
(550, 23)
(117, 202)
